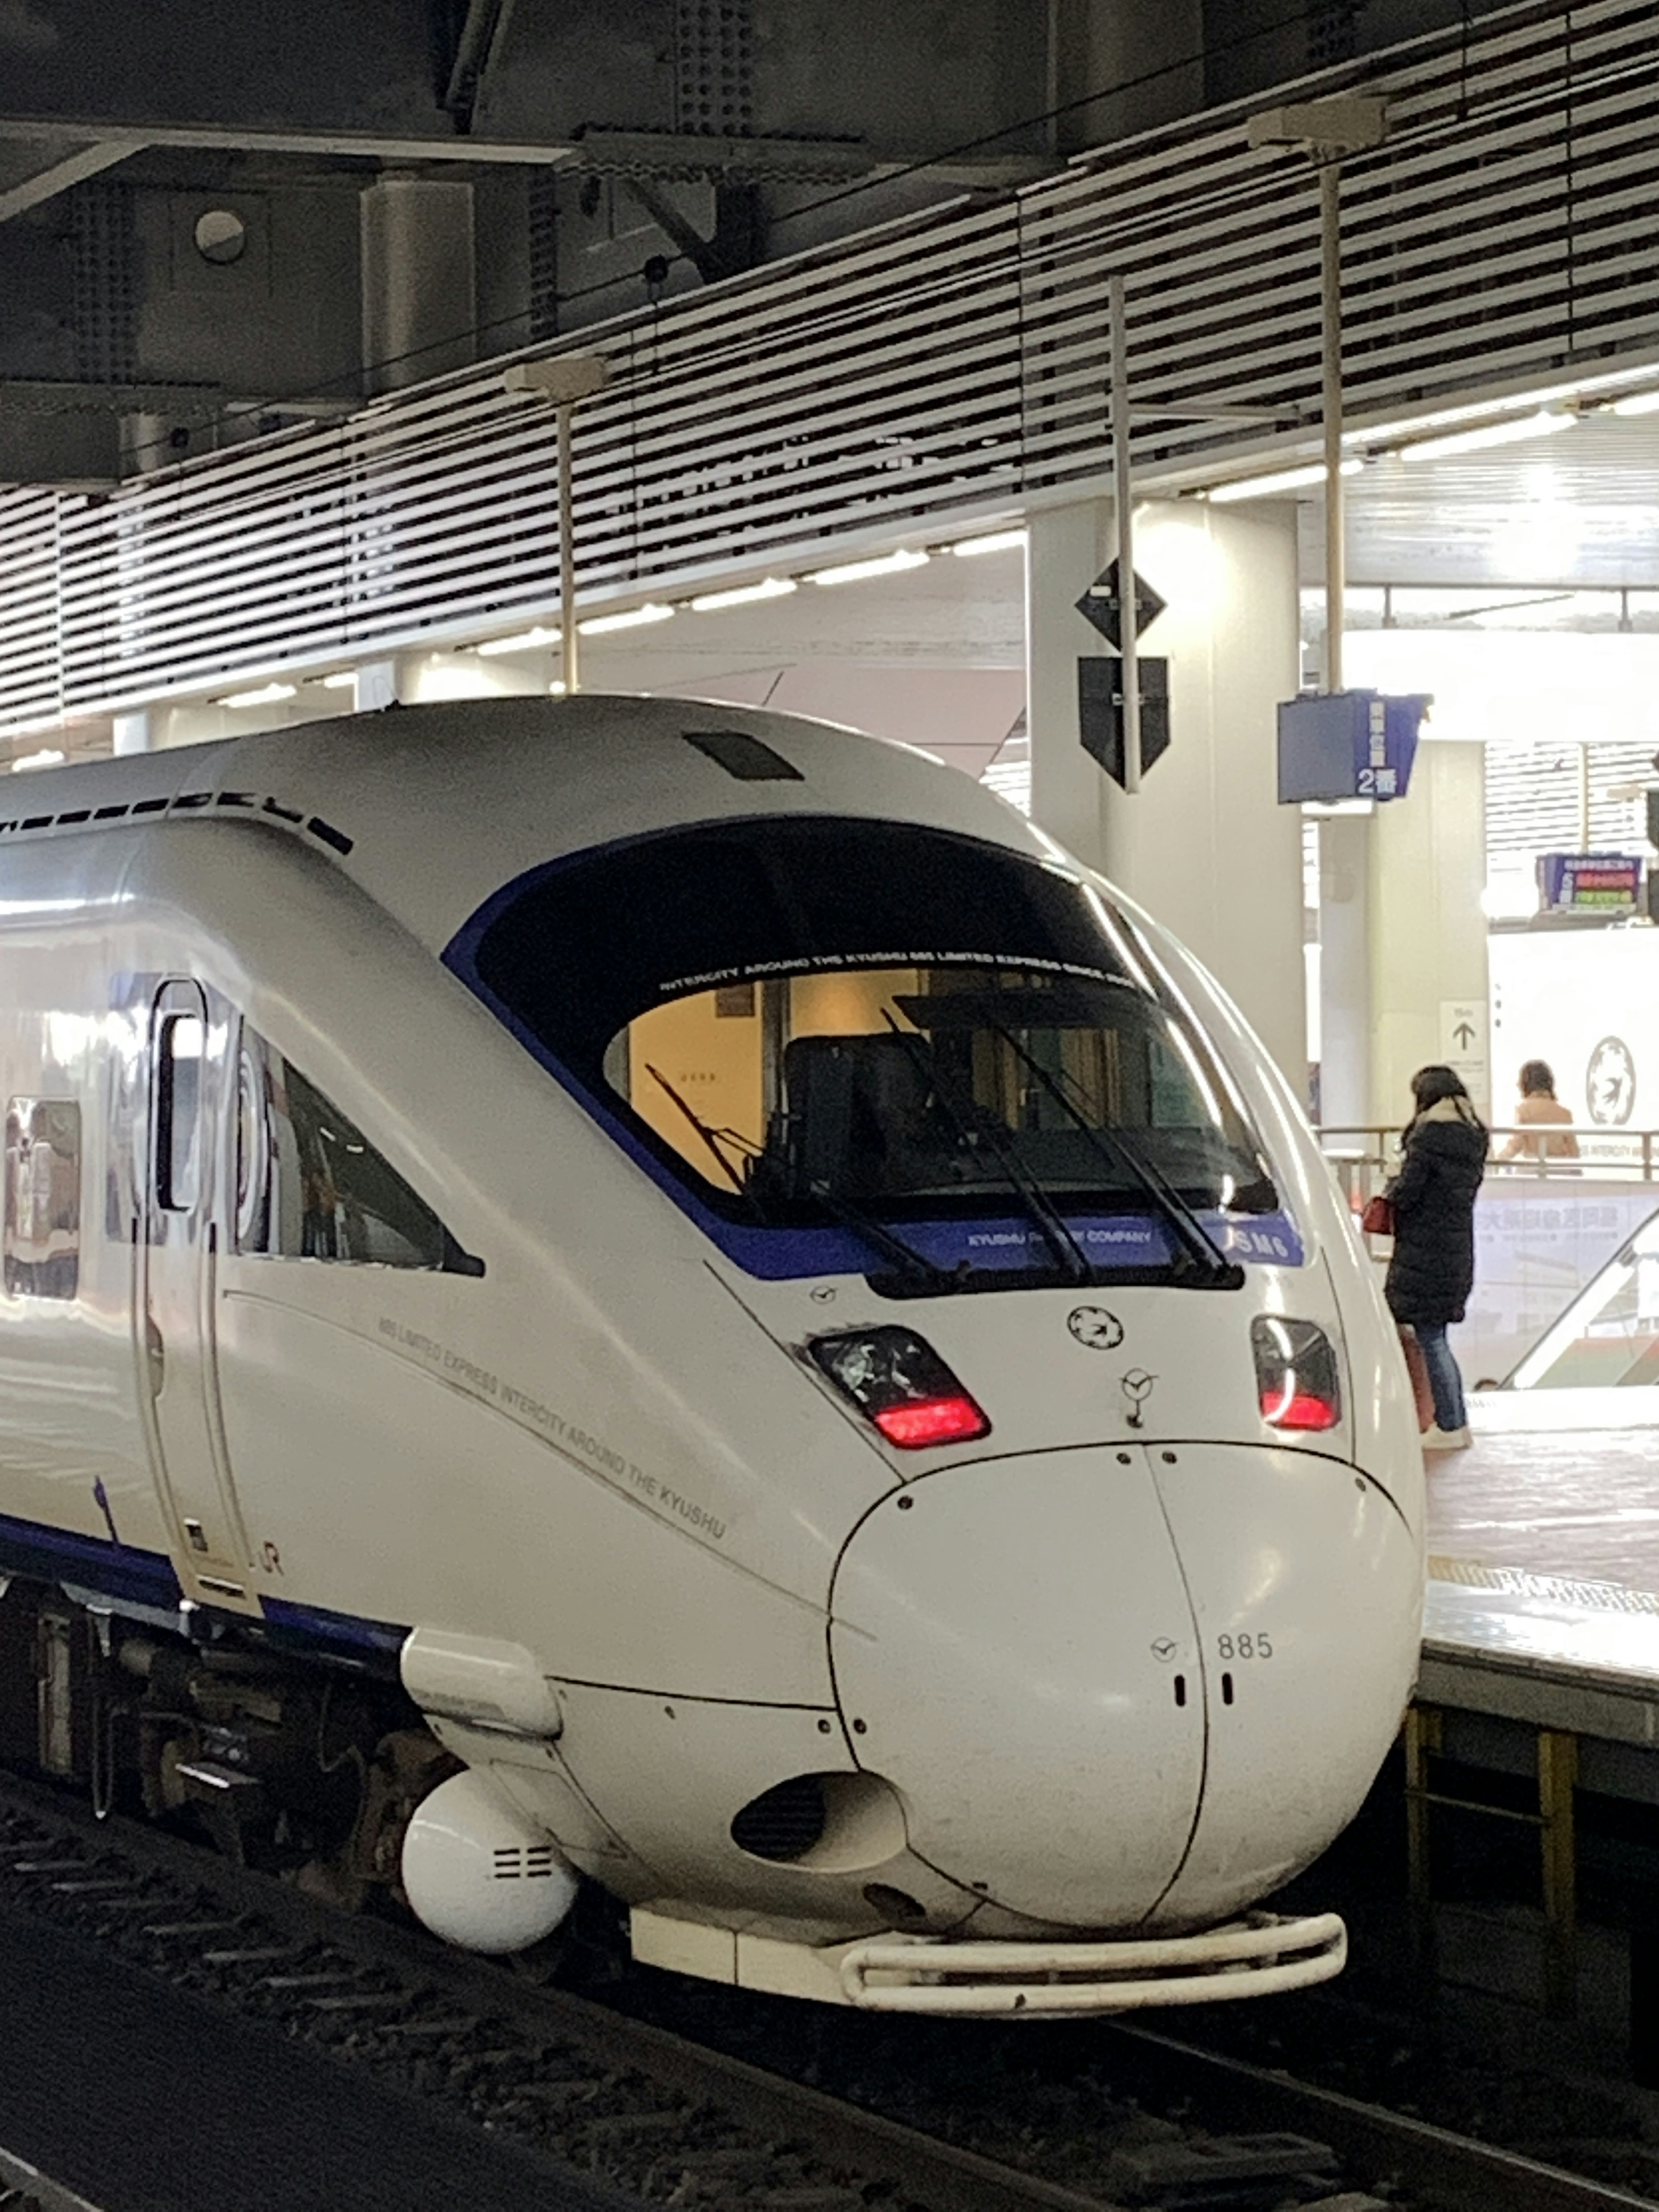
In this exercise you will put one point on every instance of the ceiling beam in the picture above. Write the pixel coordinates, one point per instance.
(57, 176)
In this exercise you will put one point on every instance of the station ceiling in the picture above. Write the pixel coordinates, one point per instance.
(1555, 527)
(1577, 508)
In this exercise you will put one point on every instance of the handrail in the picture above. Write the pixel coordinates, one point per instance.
(1366, 1154)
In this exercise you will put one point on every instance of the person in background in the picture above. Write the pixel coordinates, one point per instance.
(1540, 1108)
(1432, 1270)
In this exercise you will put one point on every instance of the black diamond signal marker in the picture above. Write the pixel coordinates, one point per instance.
(1102, 605)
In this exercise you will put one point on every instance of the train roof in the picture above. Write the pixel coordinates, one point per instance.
(433, 808)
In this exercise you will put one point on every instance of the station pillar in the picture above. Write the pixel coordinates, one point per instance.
(418, 280)
(417, 679)
(1427, 930)
(1204, 844)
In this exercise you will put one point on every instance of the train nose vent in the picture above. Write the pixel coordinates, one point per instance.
(838, 1823)
(784, 1822)
(516, 1864)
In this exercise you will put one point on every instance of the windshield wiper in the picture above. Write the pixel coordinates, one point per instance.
(1051, 1225)
(904, 1256)
(1221, 1273)
(711, 1137)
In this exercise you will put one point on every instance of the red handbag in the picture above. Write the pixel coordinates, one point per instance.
(1377, 1219)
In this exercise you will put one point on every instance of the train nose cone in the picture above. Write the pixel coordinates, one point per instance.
(1116, 1682)
(1013, 1649)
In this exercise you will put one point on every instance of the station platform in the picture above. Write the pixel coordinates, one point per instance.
(1540, 1673)
(1543, 1592)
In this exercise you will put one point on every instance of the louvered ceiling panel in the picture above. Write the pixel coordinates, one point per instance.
(30, 663)
(1532, 797)
(946, 362)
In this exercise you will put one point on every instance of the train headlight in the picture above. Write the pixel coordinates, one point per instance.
(1296, 1374)
(902, 1385)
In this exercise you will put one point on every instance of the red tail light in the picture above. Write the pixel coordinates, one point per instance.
(902, 1385)
(1296, 1374)
(1301, 1410)
(932, 1421)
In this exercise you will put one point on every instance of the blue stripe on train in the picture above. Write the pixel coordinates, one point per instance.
(121, 1573)
(116, 1570)
(311, 1628)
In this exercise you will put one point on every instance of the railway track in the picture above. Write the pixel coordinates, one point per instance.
(666, 2119)
(23, 2188)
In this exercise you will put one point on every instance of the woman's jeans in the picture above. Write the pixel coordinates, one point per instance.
(1444, 1381)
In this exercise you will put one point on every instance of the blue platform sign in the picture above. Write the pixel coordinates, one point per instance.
(1348, 745)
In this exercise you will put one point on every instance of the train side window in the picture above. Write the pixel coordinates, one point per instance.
(180, 1042)
(310, 1186)
(42, 1235)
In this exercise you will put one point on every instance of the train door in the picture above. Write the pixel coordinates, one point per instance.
(178, 1287)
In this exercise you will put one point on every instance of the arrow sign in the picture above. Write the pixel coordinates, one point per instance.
(1464, 1030)
(1102, 606)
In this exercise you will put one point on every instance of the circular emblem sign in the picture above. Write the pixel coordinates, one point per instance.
(1093, 1326)
(1610, 1083)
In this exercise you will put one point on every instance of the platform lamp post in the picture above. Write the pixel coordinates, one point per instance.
(565, 379)
(1326, 130)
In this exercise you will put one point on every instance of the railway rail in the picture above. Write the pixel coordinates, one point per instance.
(664, 2119)
(24, 2188)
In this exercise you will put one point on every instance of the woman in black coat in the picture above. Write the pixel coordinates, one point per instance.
(1433, 1270)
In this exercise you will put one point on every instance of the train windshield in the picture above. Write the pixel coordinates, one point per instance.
(802, 1015)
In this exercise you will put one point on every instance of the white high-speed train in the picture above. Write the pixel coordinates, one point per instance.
(625, 1289)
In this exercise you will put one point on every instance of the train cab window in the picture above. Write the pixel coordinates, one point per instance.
(799, 1017)
(43, 1198)
(310, 1186)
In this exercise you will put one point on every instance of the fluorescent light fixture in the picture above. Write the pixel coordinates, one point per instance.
(343, 679)
(740, 595)
(49, 758)
(1636, 402)
(630, 618)
(1000, 541)
(266, 696)
(1280, 480)
(1595, 389)
(523, 641)
(882, 564)
(1544, 424)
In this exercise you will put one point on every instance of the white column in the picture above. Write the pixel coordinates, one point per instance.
(1345, 971)
(1066, 549)
(1428, 928)
(134, 733)
(1204, 844)
(418, 280)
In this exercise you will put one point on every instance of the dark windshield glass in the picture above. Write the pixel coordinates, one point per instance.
(801, 1011)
